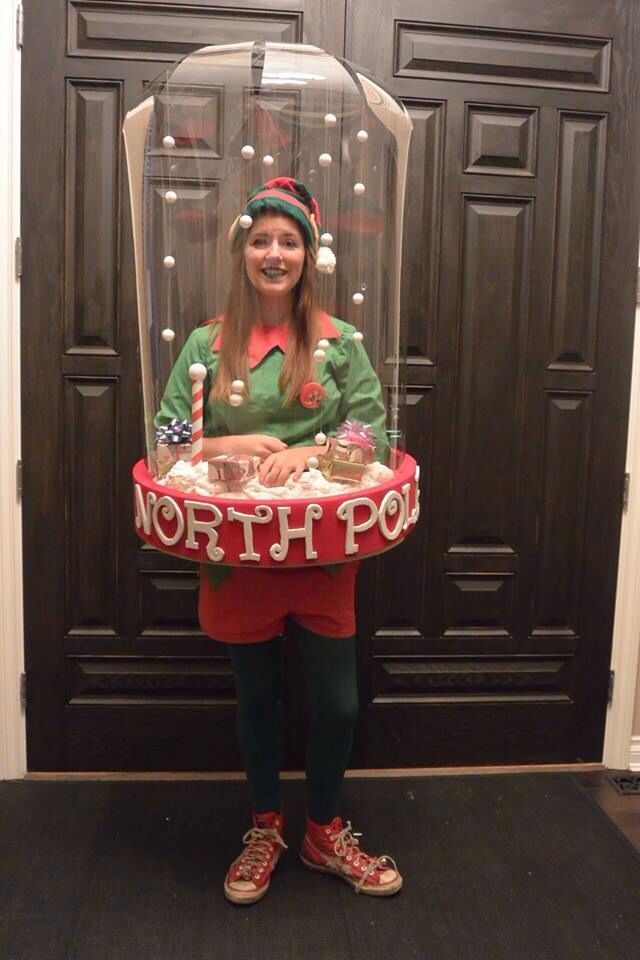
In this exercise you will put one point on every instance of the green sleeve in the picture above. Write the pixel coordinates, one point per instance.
(176, 399)
(362, 396)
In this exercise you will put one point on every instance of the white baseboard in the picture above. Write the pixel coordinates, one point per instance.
(634, 754)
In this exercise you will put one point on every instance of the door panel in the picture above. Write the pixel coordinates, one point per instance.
(490, 639)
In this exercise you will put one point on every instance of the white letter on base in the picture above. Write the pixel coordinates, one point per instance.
(263, 514)
(170, 511)
(214, 552)
(346, 512)
(144, 508)
(392, 504)
(280, 550)
(411, 515)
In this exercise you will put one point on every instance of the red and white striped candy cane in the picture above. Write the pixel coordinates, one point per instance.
(197, 372)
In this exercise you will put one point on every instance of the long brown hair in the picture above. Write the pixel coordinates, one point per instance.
(240, 314)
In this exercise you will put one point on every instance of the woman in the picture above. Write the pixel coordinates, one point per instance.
(267, 338)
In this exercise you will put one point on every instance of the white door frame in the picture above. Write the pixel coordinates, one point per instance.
(619, 752)
(618, 746)
(12, 724)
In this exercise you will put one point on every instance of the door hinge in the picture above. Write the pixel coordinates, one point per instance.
(19, 479)
(23, 691)
(19, 26)
(18, 257)
(612, 680)
(625, 491)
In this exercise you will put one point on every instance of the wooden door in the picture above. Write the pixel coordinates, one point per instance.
(486, 638)
(118, 674)
(490, 634)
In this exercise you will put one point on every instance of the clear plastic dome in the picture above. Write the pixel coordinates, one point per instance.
(212, 130)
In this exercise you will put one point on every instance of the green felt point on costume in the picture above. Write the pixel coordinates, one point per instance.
(216, 573)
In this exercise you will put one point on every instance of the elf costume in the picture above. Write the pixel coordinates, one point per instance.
(250, 609)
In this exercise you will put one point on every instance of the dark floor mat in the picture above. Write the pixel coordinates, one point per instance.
(496, 867)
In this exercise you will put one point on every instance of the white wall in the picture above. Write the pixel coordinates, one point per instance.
(12, 738)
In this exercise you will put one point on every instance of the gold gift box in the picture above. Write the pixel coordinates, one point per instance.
(354, 452)
(344, 462)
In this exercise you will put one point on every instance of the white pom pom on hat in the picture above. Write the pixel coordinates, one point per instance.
(325, 260)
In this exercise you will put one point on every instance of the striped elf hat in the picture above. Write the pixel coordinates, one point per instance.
(289, 197)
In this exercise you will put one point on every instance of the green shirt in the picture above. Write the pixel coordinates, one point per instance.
(352, 388)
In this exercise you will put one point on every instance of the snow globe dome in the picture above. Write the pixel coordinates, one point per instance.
(230, 139)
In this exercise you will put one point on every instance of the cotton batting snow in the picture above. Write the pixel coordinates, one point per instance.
(189, 479)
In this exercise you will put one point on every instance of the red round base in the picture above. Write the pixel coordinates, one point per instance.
(277, 533)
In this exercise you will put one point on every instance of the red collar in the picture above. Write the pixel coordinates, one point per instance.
(265, 338)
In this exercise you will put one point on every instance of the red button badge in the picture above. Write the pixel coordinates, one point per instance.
(312, 395)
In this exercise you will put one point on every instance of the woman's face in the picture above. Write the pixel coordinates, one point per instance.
(274, 254)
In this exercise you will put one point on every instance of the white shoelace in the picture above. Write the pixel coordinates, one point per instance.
(258, 840)
(345, 844)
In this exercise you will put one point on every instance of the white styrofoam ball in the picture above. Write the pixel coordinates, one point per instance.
(326, 239)
(359, 189)
(324, 159)
(357, 336)
(168, 142)
(312, 462)
(245, 221)
(267, 160)
(323, 344)
(237, 386)
(362, 136)
(319, 355)
(321, 438)
(171, 196)
(357, 298)
(247, 151)
(236, 400)
(168, 334)
(197, 371)
(169, 261)
(330, 119)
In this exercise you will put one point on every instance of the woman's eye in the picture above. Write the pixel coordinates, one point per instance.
(289, 243)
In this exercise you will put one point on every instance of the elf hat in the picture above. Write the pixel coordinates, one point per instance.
(289, 197)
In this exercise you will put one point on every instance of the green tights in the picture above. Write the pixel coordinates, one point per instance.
(330, 670)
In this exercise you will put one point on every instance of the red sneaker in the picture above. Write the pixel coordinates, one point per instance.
(332, 848)
(250, 874)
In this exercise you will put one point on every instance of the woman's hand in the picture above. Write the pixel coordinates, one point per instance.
(276, 469)
(248, 445)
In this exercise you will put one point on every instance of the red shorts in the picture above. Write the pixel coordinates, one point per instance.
(251, 605)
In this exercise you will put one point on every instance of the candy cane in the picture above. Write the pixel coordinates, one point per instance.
(197, 372)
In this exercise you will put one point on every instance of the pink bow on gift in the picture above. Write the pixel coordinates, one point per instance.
(353, 431)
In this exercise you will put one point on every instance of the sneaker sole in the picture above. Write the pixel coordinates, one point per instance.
(244, 898)
(386, 891)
